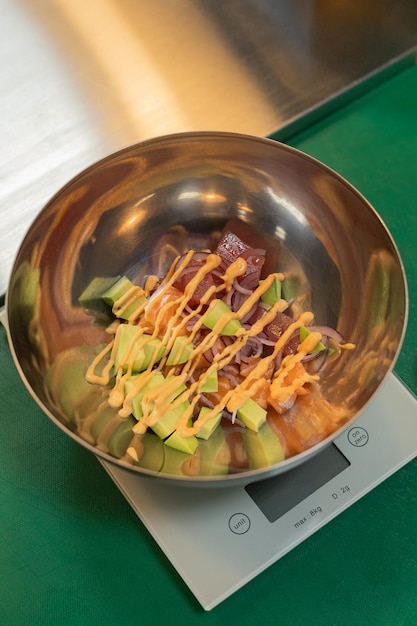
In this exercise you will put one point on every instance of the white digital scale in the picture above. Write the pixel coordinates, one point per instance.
(218, 539)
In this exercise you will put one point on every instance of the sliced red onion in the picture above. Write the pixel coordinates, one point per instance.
(251, 280)
(249, 314)
(319, 362)
(204, 400)
(231, 376)
(229, 297)
(327, 331)
(191, 322)
(255, 346)
(244, 290)
(266, 342)
(236, 299)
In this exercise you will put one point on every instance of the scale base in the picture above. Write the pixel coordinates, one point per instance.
(219, 539)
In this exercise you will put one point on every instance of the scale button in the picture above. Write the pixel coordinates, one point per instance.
(358, 436)
(239, 523)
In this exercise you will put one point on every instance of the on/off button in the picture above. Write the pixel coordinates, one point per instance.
(239, 523)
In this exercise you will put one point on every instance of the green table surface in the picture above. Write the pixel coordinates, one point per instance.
(73, 552)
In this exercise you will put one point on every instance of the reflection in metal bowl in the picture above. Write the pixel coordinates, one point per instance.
(116, 217)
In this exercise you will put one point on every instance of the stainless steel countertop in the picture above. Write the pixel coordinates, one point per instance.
(81, 79)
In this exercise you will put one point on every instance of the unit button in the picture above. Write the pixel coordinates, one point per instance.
(358, 436)
(239, 523)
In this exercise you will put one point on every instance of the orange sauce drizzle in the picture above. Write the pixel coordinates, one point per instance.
(156, 400)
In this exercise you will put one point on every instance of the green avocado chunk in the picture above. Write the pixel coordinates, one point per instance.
(143, 348)
(166, 425)
(116, 291)
(252, 415)
(188, 445)
(156, 380)
(290, 287)
(212, 317)
(210, 426)
(136, 306)
(91, 298)
(129, 383)
(211, 383)
(273, 293)
(180, 352)
(304, 332)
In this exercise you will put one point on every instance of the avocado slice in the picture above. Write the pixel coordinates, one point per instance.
(91, 298)
(156, 380)
(212, 317)
(115, 291)
(152, 348)
(111, 295)
(188, 445)
(263, 448)
(210, 426)
(290, 287)
(252, 414)
(129, 383)
(273, 293)
(304, 332)
(137, 305)
(211, 383)
(166, 425)
(181, 351)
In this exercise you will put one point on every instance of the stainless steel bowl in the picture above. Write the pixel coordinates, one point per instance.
(113, 218)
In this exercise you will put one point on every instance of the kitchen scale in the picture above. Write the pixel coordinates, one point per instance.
(218, 539)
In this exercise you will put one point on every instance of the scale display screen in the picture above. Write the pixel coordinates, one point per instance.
(277, 495)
